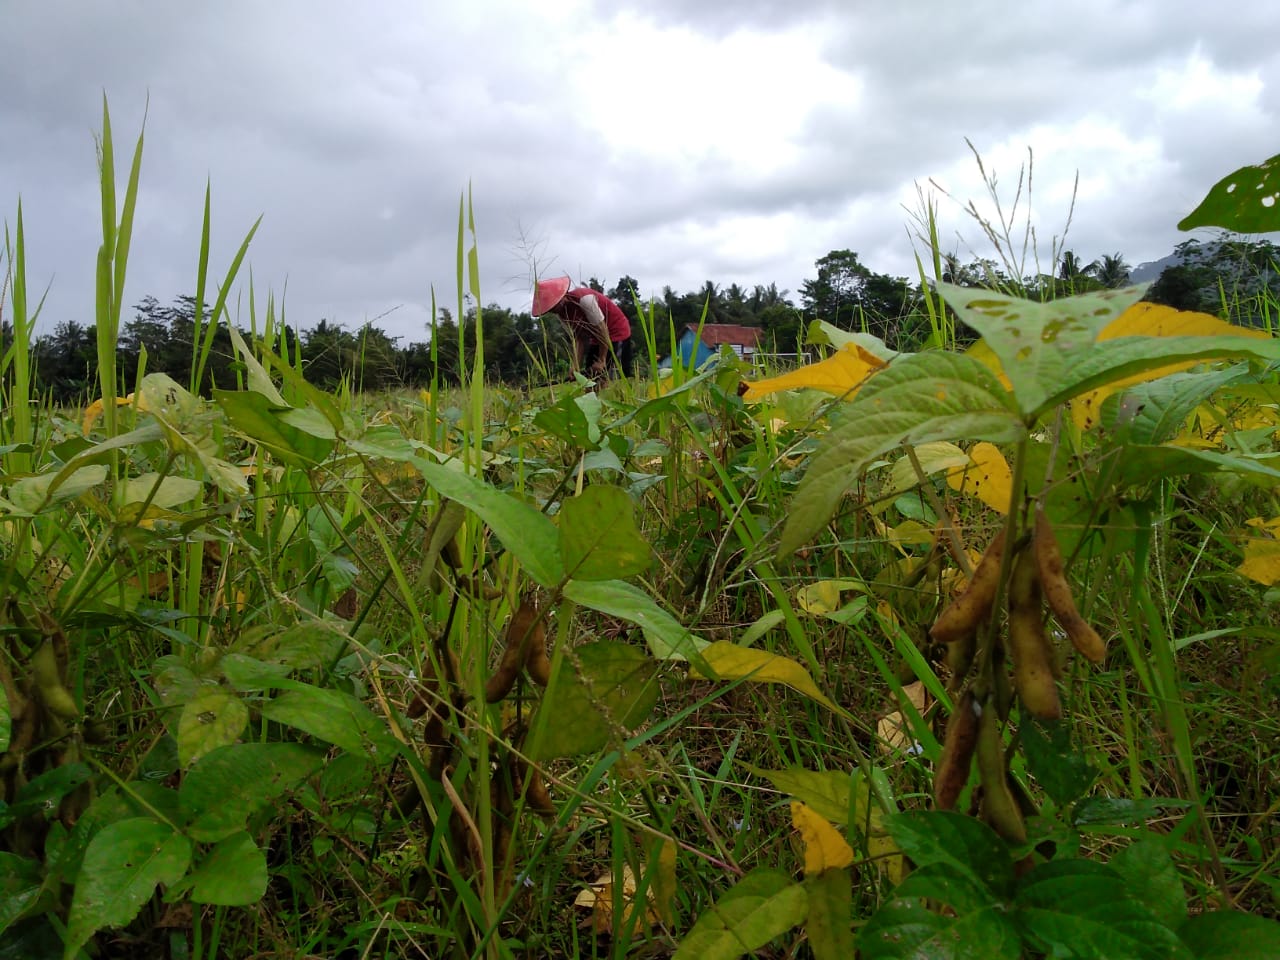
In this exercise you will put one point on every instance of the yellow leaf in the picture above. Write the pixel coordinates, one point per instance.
(911, 533)
(662, 880)
(728, 661)
(1153, 320)
(824, 848)
(893, 729)
(986, 477)
(599, 899)
(986, 356)
(94, 410)
(932, 457)
(886, 611)
(823, 596)
(840, 374)
(1262, 554)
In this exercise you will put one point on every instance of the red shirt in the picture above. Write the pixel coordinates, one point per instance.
(583, 305)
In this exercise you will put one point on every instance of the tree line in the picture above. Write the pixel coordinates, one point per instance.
(1228, 275)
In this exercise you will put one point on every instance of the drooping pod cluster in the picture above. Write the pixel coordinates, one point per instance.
(47, 728)
(1035, 579)
(525, 649)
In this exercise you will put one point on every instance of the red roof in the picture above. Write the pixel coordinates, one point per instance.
(734, 334)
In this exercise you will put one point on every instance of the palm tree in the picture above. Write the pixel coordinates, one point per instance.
(1072, 268)
(1111, 271)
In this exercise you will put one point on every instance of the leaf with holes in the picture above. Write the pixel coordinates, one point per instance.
(986, 476)
(919, 398)
(1246, 201)
(213, 718)
(1051, 352)
(122, 866)
(227, 786)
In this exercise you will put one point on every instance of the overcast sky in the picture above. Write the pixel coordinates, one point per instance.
(676, 141)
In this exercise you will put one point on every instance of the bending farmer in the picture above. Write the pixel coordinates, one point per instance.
(599, 328)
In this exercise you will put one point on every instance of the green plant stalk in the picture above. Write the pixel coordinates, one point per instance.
(1166, 690)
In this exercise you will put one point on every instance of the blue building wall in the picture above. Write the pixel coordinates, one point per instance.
(688, 345)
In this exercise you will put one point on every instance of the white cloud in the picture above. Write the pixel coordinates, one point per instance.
(677, 141)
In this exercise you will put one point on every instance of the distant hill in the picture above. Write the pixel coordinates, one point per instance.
(1150, 271)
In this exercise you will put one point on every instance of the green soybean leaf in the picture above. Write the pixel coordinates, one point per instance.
(335, 717)
(1063, 771)
(617, 687)
(566, 420)
(525, 532)
(225, 787)
(826, 792)
(1152, 876)
(1230, 935)
(1111, 360)
(963, 843)
(233, 874)
(827, 923)
(1139, 464)
(259, 380)
(763, 905)
(262, 421)
(41, 795)
(122, 867)
(30, 494)
(21, 880)
(160, 491)
(248, 674)
(1037, 342)
(918, 398)
(668, 639)
(599, 539)
(213, 718)
(1085, 909)
(1154, 412)
(1117, 811)
(976, 927)
(1246, 201)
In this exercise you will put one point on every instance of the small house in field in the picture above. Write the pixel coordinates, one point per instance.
(744, 341)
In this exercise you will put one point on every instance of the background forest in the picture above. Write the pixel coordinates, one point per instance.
(1229, 273)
